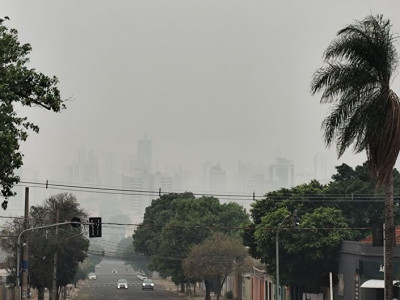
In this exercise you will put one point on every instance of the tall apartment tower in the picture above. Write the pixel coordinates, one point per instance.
(321, 167)
(144, 155)
(281, 174)
(214, 178)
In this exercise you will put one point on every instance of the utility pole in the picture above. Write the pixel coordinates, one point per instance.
(25, 249)
(18, 294)
(54, 285)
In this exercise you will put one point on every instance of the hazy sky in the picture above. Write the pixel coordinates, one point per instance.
(206, 80)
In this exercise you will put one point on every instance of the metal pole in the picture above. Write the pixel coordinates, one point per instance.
(17, 267)
(278, 294)
(54, 283)
(384, 262)
(24, 284)
(30, 229)
(277, 264)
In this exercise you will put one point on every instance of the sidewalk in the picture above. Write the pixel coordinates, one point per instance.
(170, 286)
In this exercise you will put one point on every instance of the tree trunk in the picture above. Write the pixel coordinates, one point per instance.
(207, 283)
(220, 284)
(182, 287)
(389, 236)
(41, 293)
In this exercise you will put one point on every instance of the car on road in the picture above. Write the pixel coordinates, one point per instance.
(92, 276)
(141, 276)
(114, 271)
(122, 284)
(148, 284)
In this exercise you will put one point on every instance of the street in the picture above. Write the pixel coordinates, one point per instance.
(105, 286)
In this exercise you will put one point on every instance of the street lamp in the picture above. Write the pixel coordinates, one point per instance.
(278, 294)
(19, 247)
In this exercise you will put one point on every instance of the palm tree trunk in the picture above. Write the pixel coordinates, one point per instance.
(389, 236)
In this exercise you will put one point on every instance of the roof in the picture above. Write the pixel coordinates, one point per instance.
(368, 239)
(377, 284)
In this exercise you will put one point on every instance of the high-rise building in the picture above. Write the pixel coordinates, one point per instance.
(144, 155)
(214, 178)
(164, 182)
(136, 200)
(250, 179)
(281, 174)
(322, 169)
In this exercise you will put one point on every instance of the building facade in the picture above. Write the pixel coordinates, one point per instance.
(360, 273)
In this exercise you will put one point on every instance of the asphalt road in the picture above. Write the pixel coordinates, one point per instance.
(105, 286)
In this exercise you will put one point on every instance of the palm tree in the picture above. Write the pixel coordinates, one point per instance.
(365, 111)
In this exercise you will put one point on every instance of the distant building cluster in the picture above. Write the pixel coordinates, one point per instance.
(136, 182)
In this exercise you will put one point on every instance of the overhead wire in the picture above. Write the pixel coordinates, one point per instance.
(223, 196)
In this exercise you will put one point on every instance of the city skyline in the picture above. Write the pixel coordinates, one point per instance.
(225, 82)
(96, 169)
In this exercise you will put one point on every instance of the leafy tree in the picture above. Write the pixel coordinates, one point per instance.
(71, 246)
(304, 198)
(25, 87)
(126, 251)
(355, 194)
(309, 250)
(146, 238)
(214, 259)
(174, 223)
(366, 111)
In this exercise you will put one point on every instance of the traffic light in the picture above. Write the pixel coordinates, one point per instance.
(76, 222)
(95, 227)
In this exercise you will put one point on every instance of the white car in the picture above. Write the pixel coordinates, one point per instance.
(141, 276)
(92, 276)
(122, 284)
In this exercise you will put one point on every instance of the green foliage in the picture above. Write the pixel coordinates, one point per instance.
(300, 197)
(147, 235)
(23, 86)
(356, 196)
(312, 246)
(175, 222)
(70, 244)
(126, 252)
(215, 258)
(350, 200)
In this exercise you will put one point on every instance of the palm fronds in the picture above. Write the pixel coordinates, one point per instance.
(356, 80)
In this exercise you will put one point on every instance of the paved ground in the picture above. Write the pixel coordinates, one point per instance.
(169, 285)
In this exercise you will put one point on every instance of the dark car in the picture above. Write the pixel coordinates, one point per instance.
(147, 284)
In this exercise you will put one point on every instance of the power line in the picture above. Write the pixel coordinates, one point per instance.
(121, 191)
(235, 197)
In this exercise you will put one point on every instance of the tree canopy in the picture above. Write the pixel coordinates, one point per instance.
(312, 245)
(23, 86)
(350, 197)
(214, 259)
(176, 222)
(71, 246)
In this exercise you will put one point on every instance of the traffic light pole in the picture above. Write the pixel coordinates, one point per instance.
(19, 247)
